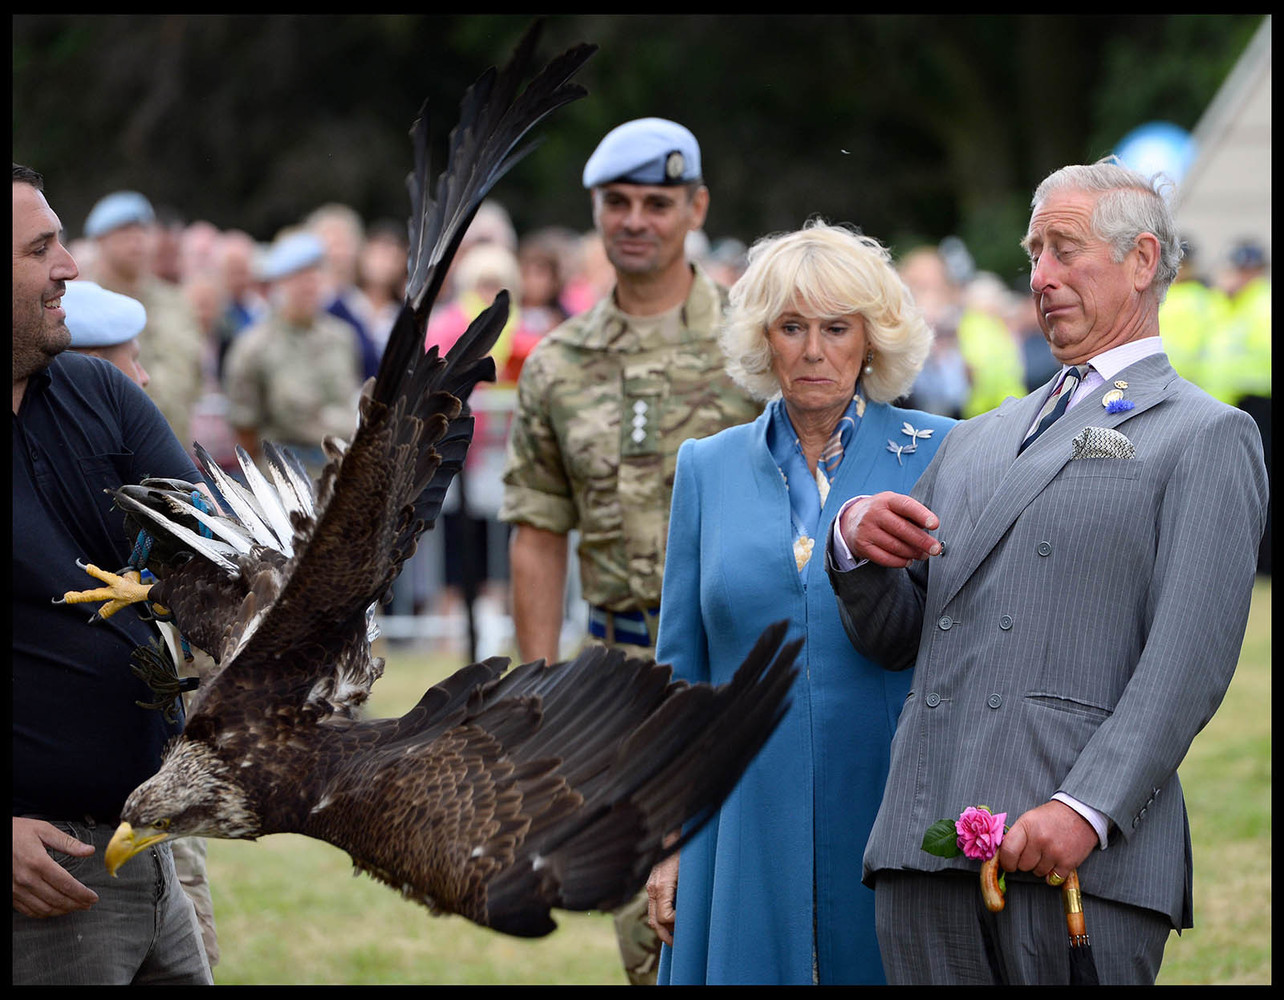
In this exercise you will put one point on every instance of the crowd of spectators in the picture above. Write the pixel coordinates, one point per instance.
(205, 287)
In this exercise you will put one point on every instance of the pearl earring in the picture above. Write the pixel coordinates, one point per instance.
(869, 363)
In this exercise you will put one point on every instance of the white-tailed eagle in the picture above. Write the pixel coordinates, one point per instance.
(501, 795)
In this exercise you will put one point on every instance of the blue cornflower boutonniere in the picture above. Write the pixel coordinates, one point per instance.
(1114, 400)
(900, 450)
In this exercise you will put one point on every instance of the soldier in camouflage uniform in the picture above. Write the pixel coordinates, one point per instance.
(294, 377)
(603, 402)
(122, 225)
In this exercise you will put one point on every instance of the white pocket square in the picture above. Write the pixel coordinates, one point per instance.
(1101, 442)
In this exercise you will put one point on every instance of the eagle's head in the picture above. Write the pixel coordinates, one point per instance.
(192, 795)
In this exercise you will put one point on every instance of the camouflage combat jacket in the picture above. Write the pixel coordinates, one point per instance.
(294, 384)
(603, 403)
(169, 347)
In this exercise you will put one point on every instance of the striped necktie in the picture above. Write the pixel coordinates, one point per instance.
(1057, 403)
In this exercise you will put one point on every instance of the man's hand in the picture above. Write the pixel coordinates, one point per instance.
(662, 897)
(41, 886)
(1050, 837)
(890, 529)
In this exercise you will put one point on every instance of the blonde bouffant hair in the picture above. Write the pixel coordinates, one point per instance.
(825, 271)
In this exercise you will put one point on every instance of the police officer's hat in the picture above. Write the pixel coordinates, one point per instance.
(122, 208)
(98, 317)
(291, 254)
(645, 151)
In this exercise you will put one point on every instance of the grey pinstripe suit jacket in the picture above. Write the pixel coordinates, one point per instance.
(1079, 628)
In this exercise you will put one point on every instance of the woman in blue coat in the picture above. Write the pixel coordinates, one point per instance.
(769, 892)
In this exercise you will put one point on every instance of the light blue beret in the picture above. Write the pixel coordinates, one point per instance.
(645, 151)
(291, 254)
(123, 208)
(97, 317)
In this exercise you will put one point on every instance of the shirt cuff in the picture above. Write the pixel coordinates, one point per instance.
(838, 550)
(1099, 822)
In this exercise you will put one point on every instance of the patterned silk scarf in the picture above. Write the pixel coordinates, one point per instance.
(807, 493)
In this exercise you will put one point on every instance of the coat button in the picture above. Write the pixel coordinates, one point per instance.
(994, 701)
(933, 699)
(1005, 622)
(1045, 548)
(945, 623)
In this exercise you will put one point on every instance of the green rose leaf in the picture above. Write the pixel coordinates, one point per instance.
(941, 839)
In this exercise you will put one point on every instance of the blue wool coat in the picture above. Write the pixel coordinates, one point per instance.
(784, 852)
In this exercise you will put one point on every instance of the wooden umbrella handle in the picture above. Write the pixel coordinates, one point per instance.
(1072, 902)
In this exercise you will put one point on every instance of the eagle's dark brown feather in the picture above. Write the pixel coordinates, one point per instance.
(552, 787)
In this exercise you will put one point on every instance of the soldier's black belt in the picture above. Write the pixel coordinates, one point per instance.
(637, 628)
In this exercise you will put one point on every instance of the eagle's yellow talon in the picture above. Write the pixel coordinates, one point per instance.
(121, 591)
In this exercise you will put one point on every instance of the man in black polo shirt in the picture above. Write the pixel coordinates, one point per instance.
(80, 741)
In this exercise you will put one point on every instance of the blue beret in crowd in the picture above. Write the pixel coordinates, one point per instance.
(97, 317)
(123, 208)
(1248, 254)
(645, 151)
(291, 254)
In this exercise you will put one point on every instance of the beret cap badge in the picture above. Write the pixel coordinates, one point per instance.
(674, 165)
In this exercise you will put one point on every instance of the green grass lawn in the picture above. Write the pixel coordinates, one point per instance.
(1227, 781)
(290, 911)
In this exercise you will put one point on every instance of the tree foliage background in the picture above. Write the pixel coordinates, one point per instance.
(913, 127)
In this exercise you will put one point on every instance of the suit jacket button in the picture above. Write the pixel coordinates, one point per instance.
(933, 699)
(995, 700)
(1045, 548)
(945, 622)
(1005, 622)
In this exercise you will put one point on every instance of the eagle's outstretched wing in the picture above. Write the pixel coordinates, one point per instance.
(499, 797)
(345, 539)
(551, 787)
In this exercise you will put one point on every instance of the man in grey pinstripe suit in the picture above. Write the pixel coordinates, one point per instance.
(1072, 625)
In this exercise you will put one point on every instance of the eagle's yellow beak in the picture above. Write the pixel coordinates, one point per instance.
(124, 845)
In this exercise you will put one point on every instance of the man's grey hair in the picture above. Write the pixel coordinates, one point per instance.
(1130, 204)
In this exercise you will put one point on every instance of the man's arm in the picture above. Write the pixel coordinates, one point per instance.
(538, 560)
(880, 598)
(1209, 523)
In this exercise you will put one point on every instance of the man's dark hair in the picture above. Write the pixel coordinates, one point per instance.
(25, 175)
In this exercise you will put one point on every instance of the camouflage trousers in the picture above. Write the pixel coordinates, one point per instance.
(639, 944)
(189, 863)
(189, 852)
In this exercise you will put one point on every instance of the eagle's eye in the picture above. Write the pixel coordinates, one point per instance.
(162, 824)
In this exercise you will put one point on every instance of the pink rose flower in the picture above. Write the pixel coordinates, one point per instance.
(980, 832)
